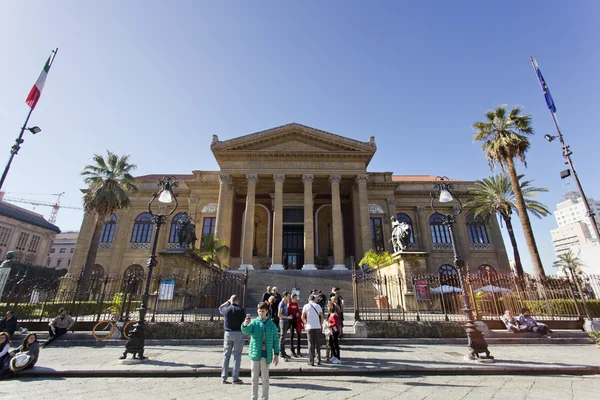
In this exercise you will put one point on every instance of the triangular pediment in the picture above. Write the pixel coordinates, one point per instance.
(293, 138)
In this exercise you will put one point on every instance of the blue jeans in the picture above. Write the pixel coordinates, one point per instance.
(233, 341)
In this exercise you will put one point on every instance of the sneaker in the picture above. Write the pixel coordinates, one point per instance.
(238, 382)
(225, 382)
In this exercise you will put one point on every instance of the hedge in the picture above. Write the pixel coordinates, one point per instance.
(50, 310)
(563, 307)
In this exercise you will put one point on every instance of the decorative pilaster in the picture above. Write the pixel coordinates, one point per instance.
(391, 203)
(363, 205)
(336, 218)
(276, 262)
(424, 234)
(248, 235)
(358, 250)
(309, 234)
(222, 210)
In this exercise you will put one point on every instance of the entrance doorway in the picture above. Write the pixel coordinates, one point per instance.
(293, 246)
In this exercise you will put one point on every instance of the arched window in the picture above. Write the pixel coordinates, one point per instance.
(142, 229)
(98, 272)
(108, 230)
(439, 231)
(401, 217)
(486, 270)
(476, 230)
(174, 229)
(448, 275)
(134, 272)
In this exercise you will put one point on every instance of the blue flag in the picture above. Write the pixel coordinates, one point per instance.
(547, 95)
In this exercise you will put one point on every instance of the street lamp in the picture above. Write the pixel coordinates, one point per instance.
(444, 192)
(256, 222)
(17, 146)
(165, 195)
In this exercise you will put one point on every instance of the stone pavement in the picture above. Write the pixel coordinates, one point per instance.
(310, 388)
(357, 360)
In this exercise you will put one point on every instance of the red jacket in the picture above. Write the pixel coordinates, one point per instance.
(294, 310)
(333, 322)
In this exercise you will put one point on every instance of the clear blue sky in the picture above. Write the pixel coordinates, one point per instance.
(134, 76)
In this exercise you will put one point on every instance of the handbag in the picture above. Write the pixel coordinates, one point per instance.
(326, 330)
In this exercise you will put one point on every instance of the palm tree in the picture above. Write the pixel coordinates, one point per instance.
(494, 196)
(109, 185)
(503, 139)
(213, 249)
(569, 264)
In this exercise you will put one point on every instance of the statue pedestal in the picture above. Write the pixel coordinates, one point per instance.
(410, 265)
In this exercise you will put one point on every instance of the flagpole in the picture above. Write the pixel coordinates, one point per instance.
(17, 146)
(567, 155)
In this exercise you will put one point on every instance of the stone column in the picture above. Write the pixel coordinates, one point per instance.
(363, 205)
(248, 234)
(358, 250)
(423, 236)
(391, 202)
(276, 262)
(309, 234)
(336, 219)
(222, 206)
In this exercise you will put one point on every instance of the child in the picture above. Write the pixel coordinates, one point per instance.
(333, 321)
(264, 341)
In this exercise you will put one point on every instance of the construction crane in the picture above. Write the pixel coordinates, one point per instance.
(55, 206)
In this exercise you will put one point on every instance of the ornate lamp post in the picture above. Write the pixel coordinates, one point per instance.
(444, 192)
(165, 195)
(256, 222)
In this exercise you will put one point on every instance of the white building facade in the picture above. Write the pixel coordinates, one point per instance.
(62, 250)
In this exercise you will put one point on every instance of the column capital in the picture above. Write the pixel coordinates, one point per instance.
(362, 178)
(308, 178)
(278, 178)
(224, 178)
(391, 202)
(252, 179)
(335, 179)
(420, 209)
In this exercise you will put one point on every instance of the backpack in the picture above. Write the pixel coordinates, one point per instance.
(322, 300)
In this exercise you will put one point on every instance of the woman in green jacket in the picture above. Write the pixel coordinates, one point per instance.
(264, 341)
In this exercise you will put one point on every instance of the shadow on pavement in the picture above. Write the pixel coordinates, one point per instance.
(310, 386)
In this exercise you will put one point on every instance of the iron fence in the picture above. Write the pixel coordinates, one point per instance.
(173, 298)
(380, 296)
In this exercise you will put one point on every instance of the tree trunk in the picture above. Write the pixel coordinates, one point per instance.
(91, 255)
(513, 242)
(525, 223)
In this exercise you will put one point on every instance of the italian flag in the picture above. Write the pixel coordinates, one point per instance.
(36, 90)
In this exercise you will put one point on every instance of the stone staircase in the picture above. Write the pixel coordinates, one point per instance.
(305, 282)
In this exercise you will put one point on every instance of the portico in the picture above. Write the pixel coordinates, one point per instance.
(304, 179)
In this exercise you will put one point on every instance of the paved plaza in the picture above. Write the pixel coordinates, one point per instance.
(367, 359)
(307, 388)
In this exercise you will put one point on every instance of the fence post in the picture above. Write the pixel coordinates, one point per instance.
(583, 301)
(101, 302)
(387, 296)
(442, 297)
(245, 287)
(355, 290)
(187, 281)
(415, 297)
(543, 286)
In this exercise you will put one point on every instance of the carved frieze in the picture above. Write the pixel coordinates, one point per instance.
(375, 209)
(210, 208)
